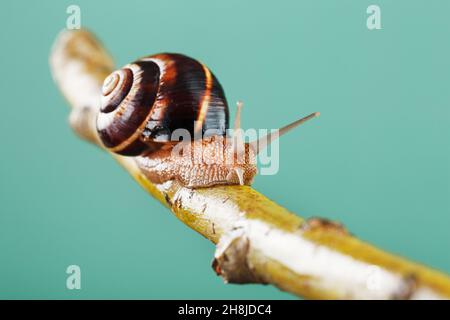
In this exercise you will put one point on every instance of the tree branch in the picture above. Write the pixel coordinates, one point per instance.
(257, 240)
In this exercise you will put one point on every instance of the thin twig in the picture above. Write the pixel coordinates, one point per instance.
(257, 240)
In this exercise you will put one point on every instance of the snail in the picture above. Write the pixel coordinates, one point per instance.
(148, 102)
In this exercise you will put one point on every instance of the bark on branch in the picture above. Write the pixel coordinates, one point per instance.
(257, 240)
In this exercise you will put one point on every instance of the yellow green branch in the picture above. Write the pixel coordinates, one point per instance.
(258, 241)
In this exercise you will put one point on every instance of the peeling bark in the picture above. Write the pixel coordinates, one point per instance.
(231, 259)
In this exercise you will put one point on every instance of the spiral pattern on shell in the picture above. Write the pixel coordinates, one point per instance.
(145, 101)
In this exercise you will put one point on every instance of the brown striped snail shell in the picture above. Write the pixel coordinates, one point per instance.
(145, 101)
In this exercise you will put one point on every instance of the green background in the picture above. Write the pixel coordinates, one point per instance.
(377, 159)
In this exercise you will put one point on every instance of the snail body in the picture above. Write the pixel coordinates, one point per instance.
(205, 163)
(146, 103)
